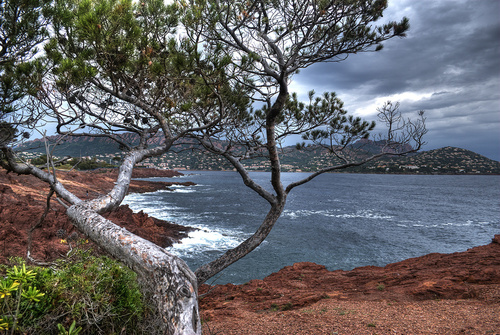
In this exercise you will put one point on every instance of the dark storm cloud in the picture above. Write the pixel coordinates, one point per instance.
(448, 65)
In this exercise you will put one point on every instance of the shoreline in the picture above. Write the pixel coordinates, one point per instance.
(456, 293)
(350, 172)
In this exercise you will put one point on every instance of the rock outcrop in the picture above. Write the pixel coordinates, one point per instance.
(472, 274)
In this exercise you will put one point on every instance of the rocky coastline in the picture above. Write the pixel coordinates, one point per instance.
(455, 293)
(23, 200)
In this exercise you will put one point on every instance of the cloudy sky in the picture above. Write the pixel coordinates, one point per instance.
(448, 65)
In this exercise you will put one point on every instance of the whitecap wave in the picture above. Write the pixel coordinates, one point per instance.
(364, 214)
(184, 190)
(205, 240)
(154, 206)
(460, 224)
(296, 214)
(187, 186)
(446, 225)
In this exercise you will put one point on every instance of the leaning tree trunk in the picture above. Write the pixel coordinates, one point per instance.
(277, 201)
(173, 284)
(206, 271)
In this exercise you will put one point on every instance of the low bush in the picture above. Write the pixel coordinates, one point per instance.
(96, 295)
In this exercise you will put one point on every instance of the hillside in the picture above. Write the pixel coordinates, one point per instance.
(448, 160)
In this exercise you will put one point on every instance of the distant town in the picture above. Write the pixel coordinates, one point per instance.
(449, 160)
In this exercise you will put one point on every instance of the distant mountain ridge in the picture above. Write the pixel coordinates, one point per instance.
(448, 160)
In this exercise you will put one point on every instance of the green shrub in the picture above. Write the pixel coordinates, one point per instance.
(73, 330)
(98, 294)
(19, 298)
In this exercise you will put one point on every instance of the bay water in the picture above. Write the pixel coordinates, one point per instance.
(338, 220)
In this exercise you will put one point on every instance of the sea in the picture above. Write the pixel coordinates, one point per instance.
(339, 220)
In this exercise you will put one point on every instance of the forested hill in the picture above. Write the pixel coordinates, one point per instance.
(448, 160)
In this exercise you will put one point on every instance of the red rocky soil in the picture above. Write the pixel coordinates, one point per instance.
(435, 294)
(455, 293)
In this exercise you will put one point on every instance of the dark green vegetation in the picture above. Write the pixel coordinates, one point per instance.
(77, 163)
(23, 26)
(447, 160)
(96, 293)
